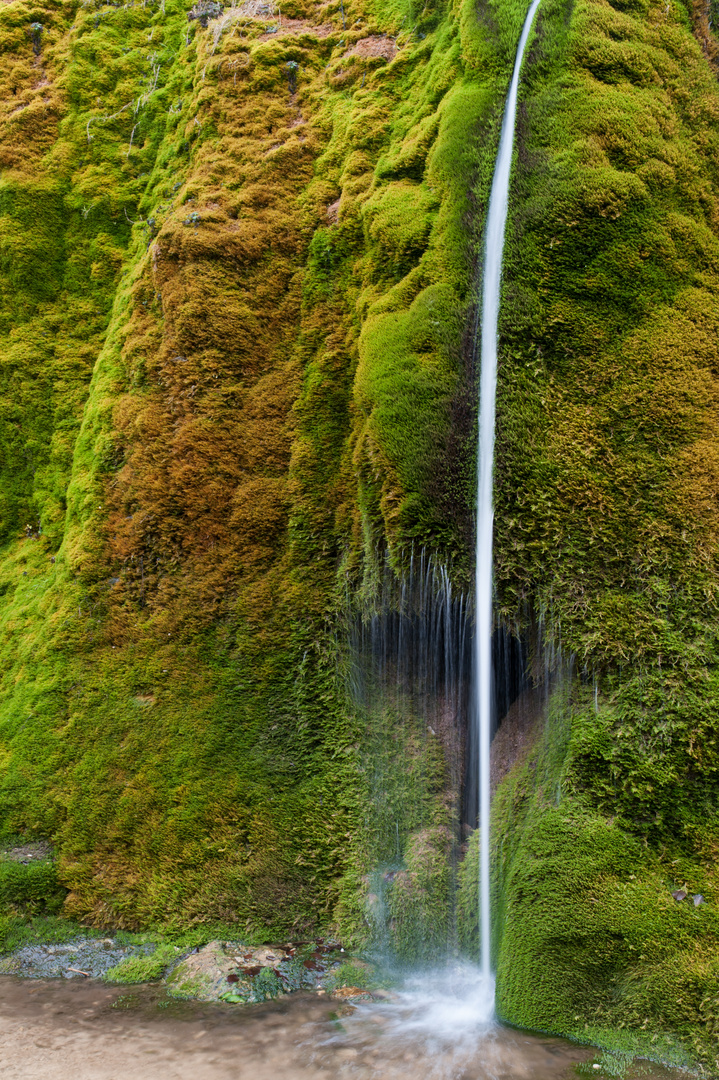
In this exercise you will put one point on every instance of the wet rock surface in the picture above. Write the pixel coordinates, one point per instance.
(78, 959)
(516, 733)
(242, 974)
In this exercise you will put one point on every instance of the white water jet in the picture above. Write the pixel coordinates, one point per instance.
(496, 222)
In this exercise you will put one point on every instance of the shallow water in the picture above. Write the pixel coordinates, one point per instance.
(85, 1030)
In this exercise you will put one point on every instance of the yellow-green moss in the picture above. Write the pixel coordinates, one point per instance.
(170, 614)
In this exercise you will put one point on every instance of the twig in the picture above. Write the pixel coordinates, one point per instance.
(115, 115)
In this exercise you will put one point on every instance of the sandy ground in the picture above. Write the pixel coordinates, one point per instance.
(86, 1031)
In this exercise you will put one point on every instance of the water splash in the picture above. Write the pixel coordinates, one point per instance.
(453, 1005)
(496, 223)
(441, 1021)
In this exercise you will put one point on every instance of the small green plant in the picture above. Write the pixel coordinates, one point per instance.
(267, 985)
(292, 68)
(127, 1001)
(353, 973)
(607, 1064)
(36, 30)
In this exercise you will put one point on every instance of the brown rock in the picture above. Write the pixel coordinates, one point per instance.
(350, 993)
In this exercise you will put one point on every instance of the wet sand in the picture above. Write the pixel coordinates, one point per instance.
(84, 1030)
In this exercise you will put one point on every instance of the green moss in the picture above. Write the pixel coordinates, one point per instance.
(32, 887)
(356, 972)
(420, 899)
(590, 941)
(27, 928)
(140, 969)
(267, 985)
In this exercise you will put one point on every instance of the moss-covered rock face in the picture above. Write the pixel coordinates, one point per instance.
(599, 933)
(239, 256)
(236, 268)
(606, 522)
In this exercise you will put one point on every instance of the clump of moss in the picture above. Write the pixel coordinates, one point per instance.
(30, 889)
(591, 940)
(140, 969)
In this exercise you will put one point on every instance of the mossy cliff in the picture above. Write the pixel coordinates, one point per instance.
(607, 522)
(235, 278)
(238, 267)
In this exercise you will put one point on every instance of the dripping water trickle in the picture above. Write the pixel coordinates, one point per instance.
(482, 691)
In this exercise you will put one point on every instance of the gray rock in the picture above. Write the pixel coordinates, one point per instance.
(75, 959)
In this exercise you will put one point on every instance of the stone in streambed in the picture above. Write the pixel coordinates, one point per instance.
(241, 974)
(204, 974)
(351, 993)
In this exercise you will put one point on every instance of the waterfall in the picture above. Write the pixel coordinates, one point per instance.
(496, 222)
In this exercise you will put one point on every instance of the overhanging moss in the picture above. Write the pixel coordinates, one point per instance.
(590, 939)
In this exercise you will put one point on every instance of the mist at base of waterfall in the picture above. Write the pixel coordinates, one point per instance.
(454, 1004)
(438, 1024)
(441, 1025)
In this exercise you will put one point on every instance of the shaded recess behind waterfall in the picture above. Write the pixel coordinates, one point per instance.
(410, 677)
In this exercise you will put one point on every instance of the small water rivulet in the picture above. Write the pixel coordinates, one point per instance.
(491, 286)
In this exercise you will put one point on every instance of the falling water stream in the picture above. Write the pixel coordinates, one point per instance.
(496, 222)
